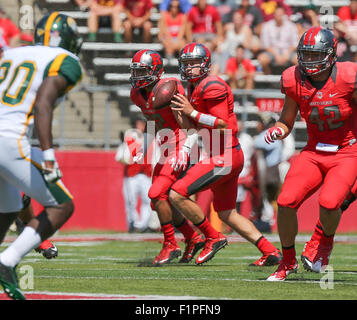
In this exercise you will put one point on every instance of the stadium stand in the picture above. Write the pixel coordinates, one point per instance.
(101, 107)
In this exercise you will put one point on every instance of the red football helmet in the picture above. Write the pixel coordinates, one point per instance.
(316, 50)
(194, 51)
(146, 68)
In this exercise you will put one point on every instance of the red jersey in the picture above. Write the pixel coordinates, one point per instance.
(233, 65)
(174, 24)
(345, 14)
(204, 21)
(132, 170)
(163, 117)
(138, 8)
(8, 29)
(213, 96)
(328, 112)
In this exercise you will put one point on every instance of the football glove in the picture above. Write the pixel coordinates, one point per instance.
(139, 156)
(51, 175)
(180, 162)
(273, 134)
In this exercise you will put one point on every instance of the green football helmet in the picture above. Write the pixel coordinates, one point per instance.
(58, 30)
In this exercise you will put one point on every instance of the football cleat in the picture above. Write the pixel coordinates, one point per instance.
(8, 280)
(168, 252)
(315, 256)
(47, 249)
(192, 247)
(212, 246)
(283, 271)
(267, 260)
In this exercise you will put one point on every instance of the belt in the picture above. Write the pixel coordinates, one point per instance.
(350, 143)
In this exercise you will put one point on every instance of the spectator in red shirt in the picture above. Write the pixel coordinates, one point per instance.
(240, 71)
(348, 13)
(102, 8)
(204, 25)
(26, 39)
(348, 17)
(172, 29)
(9, 32)
(268, 8)
(138, 13)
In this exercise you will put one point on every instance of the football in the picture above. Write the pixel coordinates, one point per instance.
(163, 94)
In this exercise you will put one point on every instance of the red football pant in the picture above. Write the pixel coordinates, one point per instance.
(222, 180)
(334, 172)
(162, 179)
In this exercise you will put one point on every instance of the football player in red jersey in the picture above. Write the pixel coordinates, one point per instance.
(324, 92)
(210, 105)
(146, 70)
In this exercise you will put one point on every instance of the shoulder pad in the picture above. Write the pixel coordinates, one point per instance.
(289, 79)
(213, 88)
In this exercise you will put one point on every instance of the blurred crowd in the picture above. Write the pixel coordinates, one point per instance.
(244, 38)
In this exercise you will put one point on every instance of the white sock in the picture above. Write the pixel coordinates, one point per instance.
(25, 242)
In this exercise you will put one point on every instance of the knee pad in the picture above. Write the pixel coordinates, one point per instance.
(286, 200)
(329, 203)
(157, 192)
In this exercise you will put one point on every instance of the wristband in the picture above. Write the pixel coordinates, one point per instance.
(194, 114)
(49, 155)
(204, 119)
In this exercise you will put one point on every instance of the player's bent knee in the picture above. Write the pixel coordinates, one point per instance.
(329, 204)
(288, 201)
(175, 197)
(157, 194)
(67, 208)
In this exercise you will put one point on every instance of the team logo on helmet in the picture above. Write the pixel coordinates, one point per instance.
(146, 68)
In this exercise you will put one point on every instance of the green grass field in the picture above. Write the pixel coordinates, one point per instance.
(123, 268)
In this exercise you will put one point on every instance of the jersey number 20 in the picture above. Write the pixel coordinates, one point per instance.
(19, 84)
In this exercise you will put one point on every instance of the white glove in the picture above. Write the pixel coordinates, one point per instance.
(53, 173)
(273, 134)
(138, 157)
(180, 162)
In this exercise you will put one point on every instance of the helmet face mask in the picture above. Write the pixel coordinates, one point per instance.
(316, 51)
(146, 68)
(193, 56)
(58, 30)
(314, 62)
